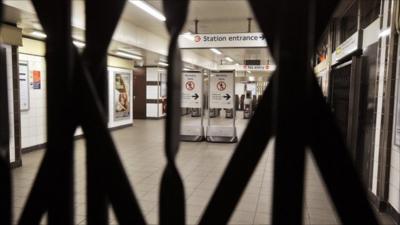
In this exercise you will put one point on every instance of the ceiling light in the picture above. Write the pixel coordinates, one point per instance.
(79, 44)
(38, 34)
(248, 71)
(162, 64)
(128, 55)
(229, 59)
(237, 64)
(252, 78)
(216, 51)
(385, 33)
(149, 9)
(186, 69)
(130, 51)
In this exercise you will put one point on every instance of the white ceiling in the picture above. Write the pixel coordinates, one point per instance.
(215, 16)
(237, 54)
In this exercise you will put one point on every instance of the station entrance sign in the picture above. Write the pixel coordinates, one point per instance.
(228, 40)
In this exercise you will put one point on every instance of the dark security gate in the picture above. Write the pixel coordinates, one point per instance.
(340, 95)
(77, 97)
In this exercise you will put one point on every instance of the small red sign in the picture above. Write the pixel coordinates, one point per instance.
(197, 38)
(221, 85)
(189, 85)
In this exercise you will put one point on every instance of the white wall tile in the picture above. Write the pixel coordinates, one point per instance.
(152, 92)
(151, 110)
(33, 121)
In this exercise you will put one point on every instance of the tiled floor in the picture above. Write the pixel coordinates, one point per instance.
(200, 164)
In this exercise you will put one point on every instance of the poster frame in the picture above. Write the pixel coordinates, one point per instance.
(24, 63)
(114, 73)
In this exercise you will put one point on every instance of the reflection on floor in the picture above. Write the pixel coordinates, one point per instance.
(201, 165)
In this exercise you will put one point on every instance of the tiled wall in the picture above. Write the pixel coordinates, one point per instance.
(33, 121)
(154, 79)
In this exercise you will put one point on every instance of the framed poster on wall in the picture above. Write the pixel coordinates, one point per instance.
(24, 85)
(122, 97)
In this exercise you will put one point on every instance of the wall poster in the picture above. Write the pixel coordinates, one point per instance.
(36, 79)
(24, 85)
(122, 100)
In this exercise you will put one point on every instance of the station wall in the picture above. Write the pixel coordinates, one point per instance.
(33, 120)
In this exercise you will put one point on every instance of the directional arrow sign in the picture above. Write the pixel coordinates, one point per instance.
(227, 97)
(192, 88)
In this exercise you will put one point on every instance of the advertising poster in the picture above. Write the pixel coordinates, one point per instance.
(222, 90)
(122, 101)
(36, 79)
(192, 90)
(24, 85)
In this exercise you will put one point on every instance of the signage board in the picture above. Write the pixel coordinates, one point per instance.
(228, 40)
(192, 90)
(222, 90)
(24, 85)
(346, 48)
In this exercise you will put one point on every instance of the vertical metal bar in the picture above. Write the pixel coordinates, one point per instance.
(60, 123)
(94, 124)
(172, 196)
(98, 38)
(293, 60)
(5, 179)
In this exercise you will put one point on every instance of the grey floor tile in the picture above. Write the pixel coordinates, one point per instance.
(201, 165)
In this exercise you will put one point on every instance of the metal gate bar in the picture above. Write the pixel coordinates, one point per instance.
(5, 179)
(77, 97)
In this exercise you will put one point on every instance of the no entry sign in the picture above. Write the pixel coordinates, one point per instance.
(222, 90)
(192, 89)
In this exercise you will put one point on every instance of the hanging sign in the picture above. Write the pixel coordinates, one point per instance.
(222, 90)
(229, 40)
(346, 48)
(192, 90)
(24, 86)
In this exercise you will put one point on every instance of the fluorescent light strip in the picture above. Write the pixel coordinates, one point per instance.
(79, 44)
(162, 64)
(216, 51)
(385, 32)
(149, 9)
(38, 34)
(229, 59)
(127, 55)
